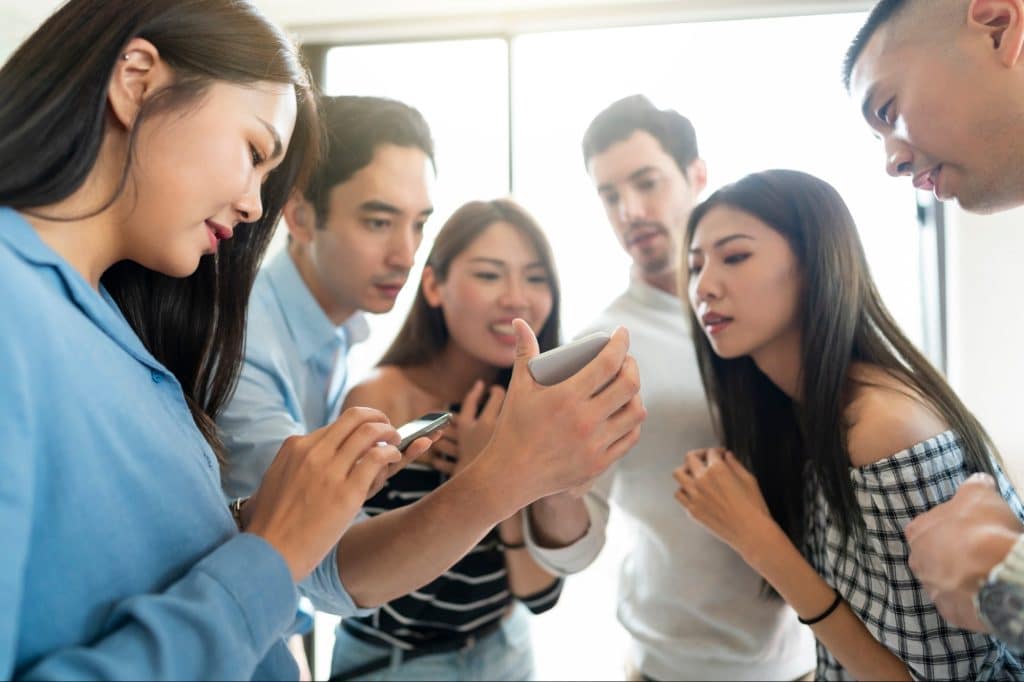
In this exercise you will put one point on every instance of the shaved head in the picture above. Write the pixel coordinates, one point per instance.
(906, 22)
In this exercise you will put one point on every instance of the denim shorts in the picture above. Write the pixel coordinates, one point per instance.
(506, 654)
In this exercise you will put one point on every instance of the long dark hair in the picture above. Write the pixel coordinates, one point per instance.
(424, 334)
(843, 321)
(55, 89)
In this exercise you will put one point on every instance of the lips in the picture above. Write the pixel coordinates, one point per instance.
(503, 328)
(642, 234)
(926, 180)
(220, 231)
(714, 323)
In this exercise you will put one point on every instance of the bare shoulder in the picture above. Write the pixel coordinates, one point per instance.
(385, 389)
(886, 416)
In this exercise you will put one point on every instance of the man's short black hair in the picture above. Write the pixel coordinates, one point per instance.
(621, 119)
(356, 127)
(883, 12)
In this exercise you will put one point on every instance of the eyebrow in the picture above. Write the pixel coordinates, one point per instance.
(379, 206)
(635, 175)
(725, 240)
(502, 264)
(278, 147)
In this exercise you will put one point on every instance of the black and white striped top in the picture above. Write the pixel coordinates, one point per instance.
(470, 597)
(875, 579)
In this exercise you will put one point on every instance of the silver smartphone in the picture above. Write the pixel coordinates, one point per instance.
(422, 426)
(558, 364)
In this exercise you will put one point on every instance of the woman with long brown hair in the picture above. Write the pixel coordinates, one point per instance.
(147, 148)
(836, 431)
(489, 264)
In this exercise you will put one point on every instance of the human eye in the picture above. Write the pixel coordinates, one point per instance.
(538, 278)
(694, 266)
(886, 111)
(485, 275)
(736, 258)
(256, 155)
(377, 224)
(610, 198)
(646, 184)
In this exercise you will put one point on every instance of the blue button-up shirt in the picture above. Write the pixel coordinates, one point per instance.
(293, 377)
(292, 382)
(120, 559)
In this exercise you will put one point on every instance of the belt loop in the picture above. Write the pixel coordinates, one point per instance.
(396, 658)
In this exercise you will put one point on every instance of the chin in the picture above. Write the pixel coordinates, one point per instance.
(727, 351)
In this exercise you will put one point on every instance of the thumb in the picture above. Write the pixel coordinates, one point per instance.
(526, 342)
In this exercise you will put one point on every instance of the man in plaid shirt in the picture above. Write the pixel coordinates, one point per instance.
(901, 69)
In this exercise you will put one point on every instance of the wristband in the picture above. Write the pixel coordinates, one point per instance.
(824, 614)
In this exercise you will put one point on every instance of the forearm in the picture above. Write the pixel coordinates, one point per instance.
(525, 576)
(558, 520)
(397, 552)
(842, 632)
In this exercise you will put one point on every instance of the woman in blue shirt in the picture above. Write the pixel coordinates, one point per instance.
(147, 147)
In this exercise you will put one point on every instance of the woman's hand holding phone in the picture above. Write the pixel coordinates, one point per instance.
(317, 484)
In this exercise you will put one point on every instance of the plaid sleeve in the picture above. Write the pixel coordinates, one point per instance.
(881, 588)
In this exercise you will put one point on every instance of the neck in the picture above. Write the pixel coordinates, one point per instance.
(780, 362)
(452, 373)
(91, 244)
(335, 312)
(666, 280)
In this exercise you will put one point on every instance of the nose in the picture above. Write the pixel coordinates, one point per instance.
(630, 206)
(250, 205)
(899, 158)
(403, 247)
(514, 294)
(704, 286)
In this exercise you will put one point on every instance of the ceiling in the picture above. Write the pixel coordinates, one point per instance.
(347, 20)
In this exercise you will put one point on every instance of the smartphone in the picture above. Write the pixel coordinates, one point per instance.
(422, 426)
(558, 364)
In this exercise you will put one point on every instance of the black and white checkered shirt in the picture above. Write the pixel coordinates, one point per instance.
(877, 583)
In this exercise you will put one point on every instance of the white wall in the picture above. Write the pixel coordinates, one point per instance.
(986, 322)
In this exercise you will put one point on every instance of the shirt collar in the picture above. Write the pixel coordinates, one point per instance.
(98, 306)
(312, 330)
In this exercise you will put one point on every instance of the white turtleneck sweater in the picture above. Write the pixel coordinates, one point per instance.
(692, 606)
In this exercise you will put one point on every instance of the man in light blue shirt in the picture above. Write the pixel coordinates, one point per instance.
(353, 234)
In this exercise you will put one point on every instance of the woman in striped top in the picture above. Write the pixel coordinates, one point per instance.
(490, 264)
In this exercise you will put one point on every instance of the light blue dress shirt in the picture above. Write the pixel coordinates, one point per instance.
(292, 382)
(119, 557)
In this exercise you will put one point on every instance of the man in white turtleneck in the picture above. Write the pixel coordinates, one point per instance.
(692, 606)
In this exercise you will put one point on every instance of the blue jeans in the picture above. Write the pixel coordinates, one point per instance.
(505, 654)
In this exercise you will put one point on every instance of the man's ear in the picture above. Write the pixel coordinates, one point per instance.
(138, 73)
(697, 175)
(1003, 22)
(300, 217)
(431, 287)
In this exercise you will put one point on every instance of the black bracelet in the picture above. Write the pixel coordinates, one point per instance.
(826, 613)
(512, 545)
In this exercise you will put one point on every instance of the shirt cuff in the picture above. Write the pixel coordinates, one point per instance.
(257, 577)
(572, 558)
(325, 589)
